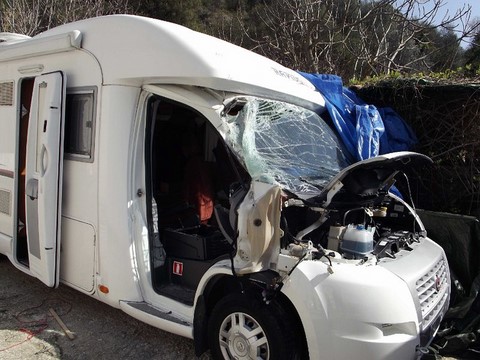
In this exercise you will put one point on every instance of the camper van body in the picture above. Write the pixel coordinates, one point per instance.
(85, 202)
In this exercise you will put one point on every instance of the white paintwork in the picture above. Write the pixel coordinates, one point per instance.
(41, 46)
(145, 51)
(351, 306)
(77, 258)
(105, 237)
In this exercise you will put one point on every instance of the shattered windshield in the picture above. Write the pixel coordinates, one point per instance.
(284, 144)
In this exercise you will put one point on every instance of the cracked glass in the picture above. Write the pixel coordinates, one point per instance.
(281, 143)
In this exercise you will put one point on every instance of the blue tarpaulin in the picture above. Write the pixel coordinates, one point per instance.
(365, 130)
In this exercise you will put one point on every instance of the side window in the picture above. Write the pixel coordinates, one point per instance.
(80, 124)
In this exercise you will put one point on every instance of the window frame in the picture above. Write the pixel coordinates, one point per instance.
(82, 91)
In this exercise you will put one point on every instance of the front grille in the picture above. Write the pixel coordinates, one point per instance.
(433, 292)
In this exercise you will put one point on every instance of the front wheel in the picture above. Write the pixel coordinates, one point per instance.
(244, 328)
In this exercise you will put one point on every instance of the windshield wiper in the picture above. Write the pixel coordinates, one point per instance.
(324, 175)
(308, 180)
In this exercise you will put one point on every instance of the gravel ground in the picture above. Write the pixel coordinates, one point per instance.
(29, 331)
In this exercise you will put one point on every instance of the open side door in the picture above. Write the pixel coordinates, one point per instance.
(44, 172)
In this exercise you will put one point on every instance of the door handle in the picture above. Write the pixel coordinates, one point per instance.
(43, 160)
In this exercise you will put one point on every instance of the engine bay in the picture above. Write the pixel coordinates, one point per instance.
(371, 232)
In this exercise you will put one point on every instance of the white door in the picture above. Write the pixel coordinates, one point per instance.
(44, 171)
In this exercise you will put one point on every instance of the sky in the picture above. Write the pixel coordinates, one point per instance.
(452, 5)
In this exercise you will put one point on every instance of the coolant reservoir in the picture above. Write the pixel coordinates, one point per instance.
(358, 240)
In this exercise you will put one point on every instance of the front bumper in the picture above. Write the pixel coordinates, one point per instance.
(368, 312)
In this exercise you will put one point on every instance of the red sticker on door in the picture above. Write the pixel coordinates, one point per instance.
(178, 268)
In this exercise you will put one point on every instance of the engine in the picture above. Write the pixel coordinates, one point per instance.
(356, 232)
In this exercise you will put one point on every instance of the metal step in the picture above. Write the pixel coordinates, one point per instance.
(149, 309)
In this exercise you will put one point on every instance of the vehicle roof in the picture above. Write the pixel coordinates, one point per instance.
(136, 50)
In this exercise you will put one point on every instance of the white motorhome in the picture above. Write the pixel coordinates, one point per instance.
(194, 185)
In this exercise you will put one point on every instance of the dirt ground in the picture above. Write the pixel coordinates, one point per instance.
(29, 331)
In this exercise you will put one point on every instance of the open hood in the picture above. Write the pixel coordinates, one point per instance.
(366, 178)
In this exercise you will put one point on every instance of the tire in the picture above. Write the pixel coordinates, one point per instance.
(241, 327)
